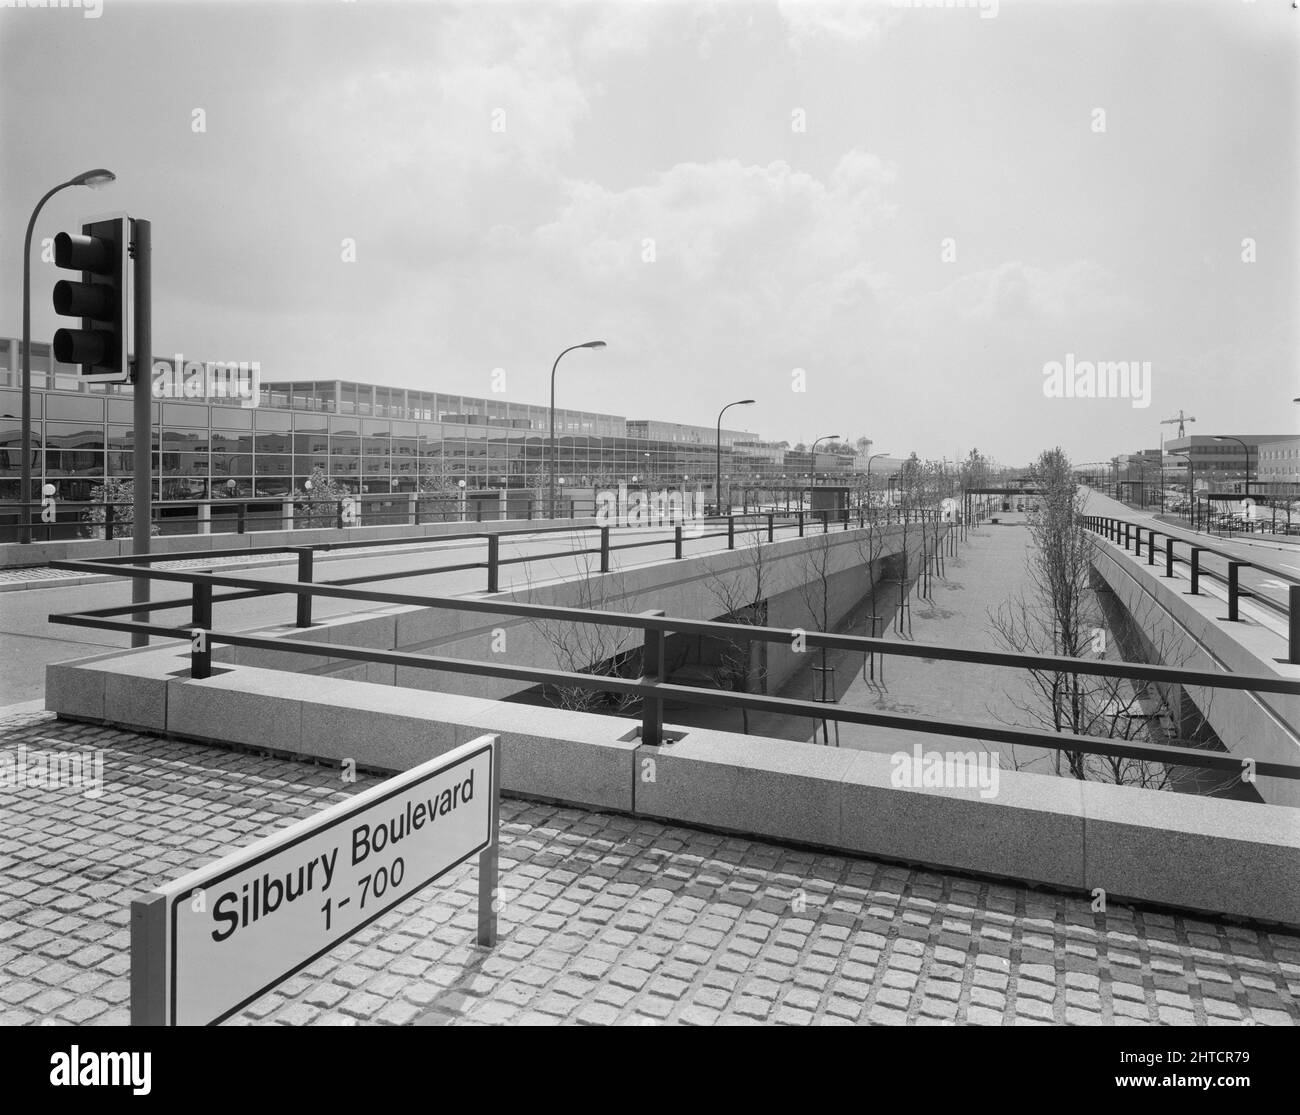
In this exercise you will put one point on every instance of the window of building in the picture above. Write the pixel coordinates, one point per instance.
(80, 408)
(232, 418)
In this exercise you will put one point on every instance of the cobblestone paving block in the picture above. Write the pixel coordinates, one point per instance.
(609, 921)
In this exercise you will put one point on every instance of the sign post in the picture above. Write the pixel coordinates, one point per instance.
(205, 946)
(142, 431)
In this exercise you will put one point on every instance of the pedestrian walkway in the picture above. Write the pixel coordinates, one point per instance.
(604, 919)
(987, 572)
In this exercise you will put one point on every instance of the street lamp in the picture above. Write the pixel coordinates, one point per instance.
(717, 495)
(554, 461)
(1191, 484)
(94, 179)
(869, 460)
(812, 476)
(1246, 448)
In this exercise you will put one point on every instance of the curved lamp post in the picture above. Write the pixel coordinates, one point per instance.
(554, 461)
(1191, 484)
(1246, 449)
(812, 475)
(717, 492)
(869, 460)
(94, 179)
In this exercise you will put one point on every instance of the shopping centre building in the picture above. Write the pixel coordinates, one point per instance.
(369, 439)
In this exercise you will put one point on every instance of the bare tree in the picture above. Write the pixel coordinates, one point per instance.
(1062, 614)
(741, 597)
(589, 648)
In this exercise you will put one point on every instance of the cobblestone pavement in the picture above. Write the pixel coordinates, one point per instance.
(604, 919)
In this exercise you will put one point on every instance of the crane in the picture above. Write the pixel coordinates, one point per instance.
(1180, 420)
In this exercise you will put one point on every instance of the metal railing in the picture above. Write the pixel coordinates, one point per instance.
(604, 543)
(651, 687)
(1130, 535)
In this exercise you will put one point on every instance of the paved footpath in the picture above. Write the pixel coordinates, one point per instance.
(604, 920)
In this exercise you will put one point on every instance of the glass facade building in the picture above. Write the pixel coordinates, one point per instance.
(369, 438)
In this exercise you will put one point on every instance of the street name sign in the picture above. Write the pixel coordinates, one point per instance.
(205, 946)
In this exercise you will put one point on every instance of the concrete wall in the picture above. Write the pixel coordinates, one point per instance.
(1262, 726)
(1203, 854)
(690, 588)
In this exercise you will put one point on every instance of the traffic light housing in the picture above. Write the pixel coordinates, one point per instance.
(101, 299)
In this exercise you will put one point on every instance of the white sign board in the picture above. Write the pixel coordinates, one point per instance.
(233, 930)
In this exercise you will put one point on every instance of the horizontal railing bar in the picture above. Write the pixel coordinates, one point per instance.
(1059, 741)
(368, 577)
(635, 621)
(1193, 539)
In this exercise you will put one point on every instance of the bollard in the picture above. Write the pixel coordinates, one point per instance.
(1235, 591)
(652, 708)
(1293, 599)
(304, 577)
(201, 621)
(494, 568)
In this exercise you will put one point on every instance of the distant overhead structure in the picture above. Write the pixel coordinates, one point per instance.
(1180, 420)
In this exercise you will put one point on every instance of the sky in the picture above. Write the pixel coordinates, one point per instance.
(879, 220)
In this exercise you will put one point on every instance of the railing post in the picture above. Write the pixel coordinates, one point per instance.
(304, 577)
(801, 522)
(604, 549)
(108, 522)
(677, 541)
(339, 512)
(652, 708)
(731, 532)
(1195, 566)
(1127, 528)
(1169, 555)
(771, 526)
(1151, 548)
(239, 518)
(201, 621)
(1234, 587)
(493, 563)
(1293, 600)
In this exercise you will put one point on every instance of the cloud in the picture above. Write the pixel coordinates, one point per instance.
(852, 22)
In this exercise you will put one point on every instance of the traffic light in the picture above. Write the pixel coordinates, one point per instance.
(101, 299)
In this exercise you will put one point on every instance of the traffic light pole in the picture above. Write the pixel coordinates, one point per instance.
(142, 391)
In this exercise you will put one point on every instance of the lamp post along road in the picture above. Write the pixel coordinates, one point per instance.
(1246, 450)
(554, 461)
(1191, 485)
(869, 460)
(812, 473)
(717, 492)
(94, 179)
